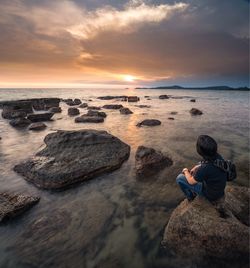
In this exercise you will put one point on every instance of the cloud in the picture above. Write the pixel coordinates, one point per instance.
(133, 16)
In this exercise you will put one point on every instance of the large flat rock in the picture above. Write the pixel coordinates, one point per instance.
(199, 229)
(11, 205)
(73, 156)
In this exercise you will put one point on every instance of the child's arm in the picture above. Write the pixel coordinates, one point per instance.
(189, 177)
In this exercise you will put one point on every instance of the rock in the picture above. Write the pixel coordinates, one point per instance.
(170, 118)
(27, 105)
(174, 113)
(11, 205)
(20, 122)
(112, 106)
(125, 111)
(146, 96)
(89, 119)
(83, 105)
(40, 117)
(143, 106)
(94, 108)
(111, 97)
(55, 110)
(193, 100)
(200, 230)
(9, 113)
(74, 102)
(73, 111)
(37, 126)
(195, 111)
(163, 97)
(149, 161)
(96, 113)
(73, 156)
(149, 122)
(133, 99)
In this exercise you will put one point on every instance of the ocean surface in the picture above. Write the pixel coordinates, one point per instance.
(116, 220)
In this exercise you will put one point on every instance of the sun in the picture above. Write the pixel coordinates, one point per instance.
(129, 78)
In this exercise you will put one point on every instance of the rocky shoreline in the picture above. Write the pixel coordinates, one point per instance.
(71, 157)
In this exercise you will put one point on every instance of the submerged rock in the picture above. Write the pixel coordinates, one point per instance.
(149, 122)
(148, 161)
(89, 119)
(193, 100)
(125, 111)
(73, 111)
(55, 110)
(74, 102)
(20, 122)
(198, 229)
(37, 126)
(111, 97)
(11, 205)
(73, 156)
(112, 106)
(195, 111)
(143, 106)
(40, 117)
(96, 113)
(174, 113)
(170, 118)
(163, 97)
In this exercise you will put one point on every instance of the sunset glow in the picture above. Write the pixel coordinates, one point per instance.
(129, 78)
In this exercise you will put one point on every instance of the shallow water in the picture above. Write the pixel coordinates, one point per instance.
(116, 220)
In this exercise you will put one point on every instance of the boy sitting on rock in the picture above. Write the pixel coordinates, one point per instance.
(207, 178)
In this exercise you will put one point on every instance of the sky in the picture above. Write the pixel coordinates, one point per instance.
(82, 43)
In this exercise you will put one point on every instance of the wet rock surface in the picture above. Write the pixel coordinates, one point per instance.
(83, 105)
(73, 111)
(143, 106)
(73, 156)
(133, 98)
(55, 110)
(9, 113)
(111, 97)
(89, 119)
(195, 111)
(12, 205)
(94, 108)
(96, 113)
(112, 106)
(149, 122)
(193, 100)
(20, 122)
(149, 161)
(40, 117)
(125, 111)
(37, 126)
(74, 102)
(199, 229)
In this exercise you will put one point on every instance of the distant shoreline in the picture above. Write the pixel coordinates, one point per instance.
(198, 88)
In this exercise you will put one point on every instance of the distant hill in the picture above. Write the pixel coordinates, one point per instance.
(207, 88)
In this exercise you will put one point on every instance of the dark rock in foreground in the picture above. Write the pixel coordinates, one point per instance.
(96, 113)
(170, 118)
(20, 122)
(73, 156)
(74, 102)
(125, 111)
(193, 100)
(11, 205)
(198, 229)
(148, 161)
(89, 119)
(195, 111)
(163, 97)
(37, 126)
(149, 122)
(112, 106)
(9, 113)
(73, 111)
(40, 117)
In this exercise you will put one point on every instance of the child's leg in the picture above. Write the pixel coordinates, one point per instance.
(189, 190)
